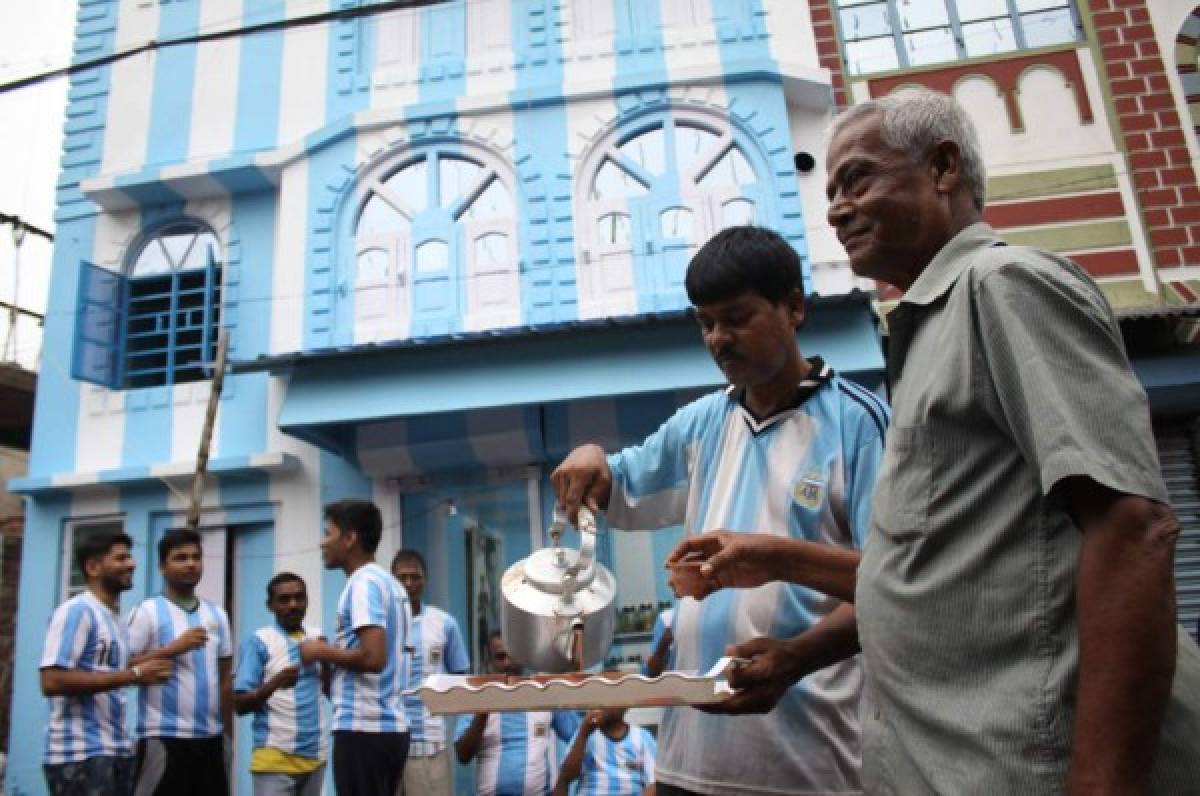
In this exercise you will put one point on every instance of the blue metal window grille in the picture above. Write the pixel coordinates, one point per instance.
(879, 35)
(173, 307)
(156, 325)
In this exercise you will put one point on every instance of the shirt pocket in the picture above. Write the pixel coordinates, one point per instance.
(900, 508)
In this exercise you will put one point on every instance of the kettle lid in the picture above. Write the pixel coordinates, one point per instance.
(557, 570)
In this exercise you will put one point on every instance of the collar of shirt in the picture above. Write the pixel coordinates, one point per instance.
(949, 263)
(817, 376)
(933, 282)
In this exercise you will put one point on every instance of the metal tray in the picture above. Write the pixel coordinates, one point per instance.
(448, 693)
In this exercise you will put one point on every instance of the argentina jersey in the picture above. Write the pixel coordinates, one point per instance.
(85, 635)
(188, 705)
(370, 701)
(518, 755)
(807, 472)
(291, 720)
(617, 768)
(437, 648)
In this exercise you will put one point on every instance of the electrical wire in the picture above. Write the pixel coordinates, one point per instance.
(218, 35)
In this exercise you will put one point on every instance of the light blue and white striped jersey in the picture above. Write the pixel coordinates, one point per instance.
(370, 701)
(519, 754)
(808, 472)
(188, 705)
(617, 768)
(291, 719)
(86, 635)
(437, 648)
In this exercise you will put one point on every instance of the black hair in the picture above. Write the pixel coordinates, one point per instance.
(408, 554)
(98, 545)
(360, 516)
(744, 259)
(180, 537)
(283, 577)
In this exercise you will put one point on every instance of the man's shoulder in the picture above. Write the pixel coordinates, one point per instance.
(74, 608)
(214, 608)
(860, 408)
(706, 405)
(998, 264)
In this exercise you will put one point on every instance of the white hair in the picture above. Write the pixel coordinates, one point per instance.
(915, 120)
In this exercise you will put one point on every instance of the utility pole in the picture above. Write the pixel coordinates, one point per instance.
(19, 229)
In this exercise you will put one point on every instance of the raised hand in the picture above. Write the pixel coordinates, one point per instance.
(583, 479)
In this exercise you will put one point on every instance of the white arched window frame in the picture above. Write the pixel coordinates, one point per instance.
(434, 240)
(652, 193)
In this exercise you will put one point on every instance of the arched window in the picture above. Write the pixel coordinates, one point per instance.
(155, 324)
(652, 194)
(434, 247)
(173, 306)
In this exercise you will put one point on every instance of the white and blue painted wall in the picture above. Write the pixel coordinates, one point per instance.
(449, 244)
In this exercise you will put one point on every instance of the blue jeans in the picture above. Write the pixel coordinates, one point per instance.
(289, 784)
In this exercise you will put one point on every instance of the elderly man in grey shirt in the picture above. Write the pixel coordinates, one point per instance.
(1015, 599)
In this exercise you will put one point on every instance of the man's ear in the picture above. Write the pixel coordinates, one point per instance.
(795, 307)
(946, 166)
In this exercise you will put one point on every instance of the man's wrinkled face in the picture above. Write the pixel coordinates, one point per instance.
(749, 337)
(115, 569)
(884, 206)
(184, 566)
(408, 571)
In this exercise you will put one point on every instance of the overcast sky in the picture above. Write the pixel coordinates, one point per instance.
(34, 37)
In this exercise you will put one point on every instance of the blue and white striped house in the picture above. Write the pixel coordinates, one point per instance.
(447, 239)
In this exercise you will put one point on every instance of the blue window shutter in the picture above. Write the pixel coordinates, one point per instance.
(97, 355)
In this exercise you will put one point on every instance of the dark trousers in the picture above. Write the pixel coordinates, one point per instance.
(181, 767)
(368, 763)
(663, 789)
(96, 776)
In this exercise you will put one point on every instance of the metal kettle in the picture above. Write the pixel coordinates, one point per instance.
(557, 614)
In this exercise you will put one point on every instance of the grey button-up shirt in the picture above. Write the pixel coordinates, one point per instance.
(1008, 376)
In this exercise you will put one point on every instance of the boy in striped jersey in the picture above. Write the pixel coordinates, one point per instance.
(85, 664)
(788, 448)
(181, 723)
(516, 751)
(437, 648)
(610, 757)
(285, 697)
(370, 734)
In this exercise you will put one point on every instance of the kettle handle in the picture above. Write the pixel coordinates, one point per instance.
(587, 540)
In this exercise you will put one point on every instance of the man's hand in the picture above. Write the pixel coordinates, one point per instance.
(192, 639)
(155, 671)
(772, 669)
(583, 479)
(285, 677)
(313, 649)
(591, 722)
(700, 565)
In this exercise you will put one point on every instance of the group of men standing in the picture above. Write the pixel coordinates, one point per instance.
(176, 648)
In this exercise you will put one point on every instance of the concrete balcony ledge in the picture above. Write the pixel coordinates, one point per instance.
(270, 462)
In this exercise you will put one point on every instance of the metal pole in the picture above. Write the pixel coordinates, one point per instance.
(210, 416)
(10, 341)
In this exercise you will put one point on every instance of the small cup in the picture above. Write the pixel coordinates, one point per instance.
(686, 580)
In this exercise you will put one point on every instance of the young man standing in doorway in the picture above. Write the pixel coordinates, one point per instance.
(181, 723)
